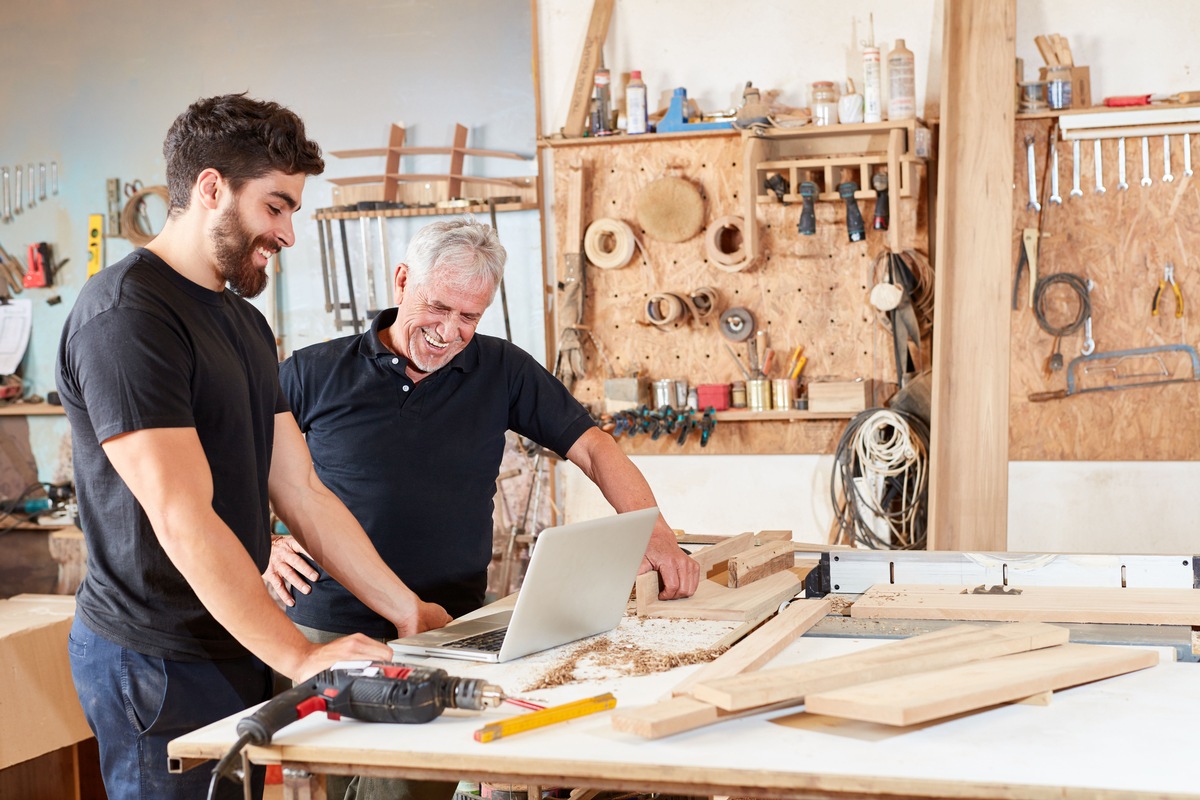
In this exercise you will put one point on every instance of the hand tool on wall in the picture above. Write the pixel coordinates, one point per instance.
(112, 188)
(6, 213)
(1146, 161)
(1117, 357)
(808, 215)
(1055, 197)
(1167, 176)
(779, 185)
(54, 177)
(1028, 258)
(95, 244)
(1031, 176)
(1122, 184)
(18, 206)
(368, 267)
(1089, 344)
(503, 291)
(879, 182)
(42, 181)
(31, 177)
(1098, 160)
(737, 324)
(1075, 190)
(1187, 155)
(1168, 278)
(40, 273)
(855, 229)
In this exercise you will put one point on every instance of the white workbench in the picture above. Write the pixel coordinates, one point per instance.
(1125, 737)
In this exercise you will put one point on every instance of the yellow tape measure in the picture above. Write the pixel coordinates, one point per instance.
(547, 716)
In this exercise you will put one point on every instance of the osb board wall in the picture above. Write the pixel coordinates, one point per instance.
(810, 290)
(1120, 240)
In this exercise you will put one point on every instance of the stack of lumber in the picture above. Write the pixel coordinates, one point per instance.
(934, 675)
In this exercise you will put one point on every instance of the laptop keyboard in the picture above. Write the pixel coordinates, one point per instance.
(489, 641)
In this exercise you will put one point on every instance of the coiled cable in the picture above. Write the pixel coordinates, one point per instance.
(1075, 284)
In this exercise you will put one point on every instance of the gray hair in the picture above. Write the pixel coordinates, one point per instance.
(461, 251)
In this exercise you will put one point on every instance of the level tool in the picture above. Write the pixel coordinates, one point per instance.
(547, 716)
(95, 244)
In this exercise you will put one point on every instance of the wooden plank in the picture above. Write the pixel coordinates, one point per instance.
(456, 161)
(391, 166)
(913, 699)
(762, 645)
(968, 495)
(1033, 603)
(940, 649)
(759, 562)
(713, 601)
(711, 556)
(589, 61)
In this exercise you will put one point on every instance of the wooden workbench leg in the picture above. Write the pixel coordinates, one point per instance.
(299, 784)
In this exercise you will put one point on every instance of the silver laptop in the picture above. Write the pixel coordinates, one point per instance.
(577, 584)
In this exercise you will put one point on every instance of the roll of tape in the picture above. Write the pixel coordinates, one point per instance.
(737, 324)
(665, 308)
(716, 242)
(609, 243)
(704, 301)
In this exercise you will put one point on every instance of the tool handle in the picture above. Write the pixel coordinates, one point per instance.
(1041, 397)
(1127, 100)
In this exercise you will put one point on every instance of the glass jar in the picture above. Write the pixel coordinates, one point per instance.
(824, 103)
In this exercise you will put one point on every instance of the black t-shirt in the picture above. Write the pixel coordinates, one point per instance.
(146, 348)
(417, 463)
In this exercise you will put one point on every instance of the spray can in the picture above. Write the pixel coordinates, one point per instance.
(902, 99)
(635, 103)
(872, 84)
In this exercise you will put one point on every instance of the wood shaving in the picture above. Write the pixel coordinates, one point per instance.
(629, 660)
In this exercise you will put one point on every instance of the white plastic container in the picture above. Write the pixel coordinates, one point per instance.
(902, 94)
(872, 85)
(636, 114)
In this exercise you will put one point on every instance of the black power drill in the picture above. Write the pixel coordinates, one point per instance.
(372, 692)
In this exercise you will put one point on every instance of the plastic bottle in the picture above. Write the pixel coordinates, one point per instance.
(872, 84)
(824, 103)
(602, 115)
(635, 103)
(902, 96)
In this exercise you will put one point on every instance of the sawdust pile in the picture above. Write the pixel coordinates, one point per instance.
(602, 657)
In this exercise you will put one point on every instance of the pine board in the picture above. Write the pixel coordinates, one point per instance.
(913, 699)
(714, 601)
(1034, 603)
(939, 649)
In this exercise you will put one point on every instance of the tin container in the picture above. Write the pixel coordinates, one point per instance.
(737, 394)
(758, 394)
(783, 392)
(664, 393)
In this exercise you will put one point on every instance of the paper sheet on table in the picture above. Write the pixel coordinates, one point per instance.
(16, 320)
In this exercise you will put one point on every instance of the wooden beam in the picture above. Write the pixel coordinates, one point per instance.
(969, 436)
(714, 601)
(937, 650)
(589, 61)
(454, 190)
(759, 562)
(913, 699)
(762, 645)
(391, 186)
(1076, 604)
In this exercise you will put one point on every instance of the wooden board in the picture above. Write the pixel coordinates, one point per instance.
(715, 601)
(761, 562)
(762, 645)
(913, 699)
(968, 491)
(945, 648)
(1034, 603)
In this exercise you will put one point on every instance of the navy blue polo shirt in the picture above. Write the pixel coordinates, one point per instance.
(417, 463)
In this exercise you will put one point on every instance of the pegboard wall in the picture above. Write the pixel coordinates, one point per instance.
(1120, 239)
(803, 290)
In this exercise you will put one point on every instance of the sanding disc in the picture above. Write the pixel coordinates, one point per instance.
(671, 210)
(737, 324)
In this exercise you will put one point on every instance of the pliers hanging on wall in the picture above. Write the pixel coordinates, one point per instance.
(1168, 278)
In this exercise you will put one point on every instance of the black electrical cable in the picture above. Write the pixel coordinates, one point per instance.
(224, 767)
(1075, 284)
(10, 507)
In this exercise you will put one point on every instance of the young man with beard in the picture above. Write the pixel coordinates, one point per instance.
(181, 437)
(406, 424)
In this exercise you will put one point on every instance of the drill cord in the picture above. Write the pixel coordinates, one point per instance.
(224, 767)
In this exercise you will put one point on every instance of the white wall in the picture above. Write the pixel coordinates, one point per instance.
(1131, 48)
(96, 85)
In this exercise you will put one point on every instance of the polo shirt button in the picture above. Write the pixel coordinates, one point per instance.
(395, 361)
(406, 388)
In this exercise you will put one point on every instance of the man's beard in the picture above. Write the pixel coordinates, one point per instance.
(235, 255)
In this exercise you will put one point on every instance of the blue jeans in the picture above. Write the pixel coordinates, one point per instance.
(135, 704)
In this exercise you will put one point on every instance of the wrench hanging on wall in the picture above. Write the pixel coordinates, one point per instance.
(1075, 190)
(1122, 184)
(1098, 158)
(1031, 175)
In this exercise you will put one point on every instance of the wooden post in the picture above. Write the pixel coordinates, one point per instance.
(589, 61)
(969, 437)
(391, 185)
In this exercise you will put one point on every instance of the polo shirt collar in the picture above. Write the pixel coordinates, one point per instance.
(372, 345)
